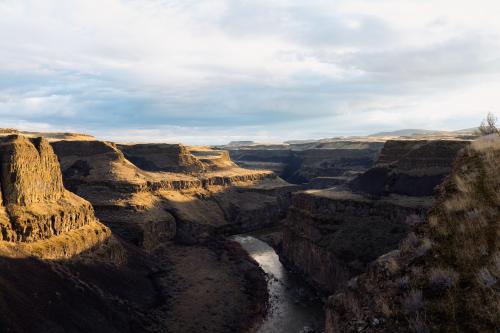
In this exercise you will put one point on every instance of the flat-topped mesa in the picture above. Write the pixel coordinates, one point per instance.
(102, 164)
(35, 206)
(410, 167)
(96, 162)
(51, 136)
(162, 157)
(213, 159)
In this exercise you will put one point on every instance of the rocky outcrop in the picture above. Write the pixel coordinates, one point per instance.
(162, 157)
(35, 205)
(61, 270)
(445, 276)
(275, 158)
(410, 167)
(120, 192)
(213, 159)
(149, 207)
(332, 235)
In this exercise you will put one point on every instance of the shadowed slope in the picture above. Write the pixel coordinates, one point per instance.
(445, 277)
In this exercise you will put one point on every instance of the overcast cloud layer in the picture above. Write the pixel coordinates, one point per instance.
(213, 71)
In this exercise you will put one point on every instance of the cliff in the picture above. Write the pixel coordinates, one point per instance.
(213, 159)
(409, 167)
(332, 235)
(61, 270)
(162, 157)
(35, 204)
(445, 276)
(148, 207)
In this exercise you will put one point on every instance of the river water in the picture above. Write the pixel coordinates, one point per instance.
(293, 306)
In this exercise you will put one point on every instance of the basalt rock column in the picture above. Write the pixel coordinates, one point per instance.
(35, 206)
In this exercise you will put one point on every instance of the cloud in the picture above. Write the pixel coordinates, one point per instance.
(258, 69)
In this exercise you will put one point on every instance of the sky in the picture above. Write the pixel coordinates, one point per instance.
(213, 71)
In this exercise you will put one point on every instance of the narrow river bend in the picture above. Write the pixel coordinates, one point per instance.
(293, 306)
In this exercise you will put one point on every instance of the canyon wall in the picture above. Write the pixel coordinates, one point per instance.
(332, 235)
(61, 270)
(445, 276)
(409, 167)
(310, 162)
(35, 206)
(162, 157)
(148, 206)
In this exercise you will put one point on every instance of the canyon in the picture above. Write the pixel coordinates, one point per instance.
(331, 235)
(156, 237)
(323, 163)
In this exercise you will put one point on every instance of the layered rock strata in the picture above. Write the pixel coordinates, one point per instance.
(410, 167)
(331, 235)
(445, 276)
(61, 270)
(301, 163)
(35, 206)
(150, 207)
(162, 157)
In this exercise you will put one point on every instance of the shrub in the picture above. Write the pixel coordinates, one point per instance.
(440, 278)
(488, 125)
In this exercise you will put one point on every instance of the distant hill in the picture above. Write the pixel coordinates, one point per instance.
(241, 143)
(406, 132)
(410, 132)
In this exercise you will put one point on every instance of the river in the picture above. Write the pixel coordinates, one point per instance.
(293, 306)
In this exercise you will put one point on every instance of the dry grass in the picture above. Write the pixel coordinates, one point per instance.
(464, 228)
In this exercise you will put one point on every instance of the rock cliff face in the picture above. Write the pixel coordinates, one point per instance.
(444, 277)
(162, 157)
(410, 167)
(332, 162)
(61, 270)
(120, 192)
(213, 159)
(331, 235)
(302, 163)
(149, 207)
(35, 204)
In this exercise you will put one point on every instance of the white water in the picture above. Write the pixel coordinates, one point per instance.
(293, 306)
